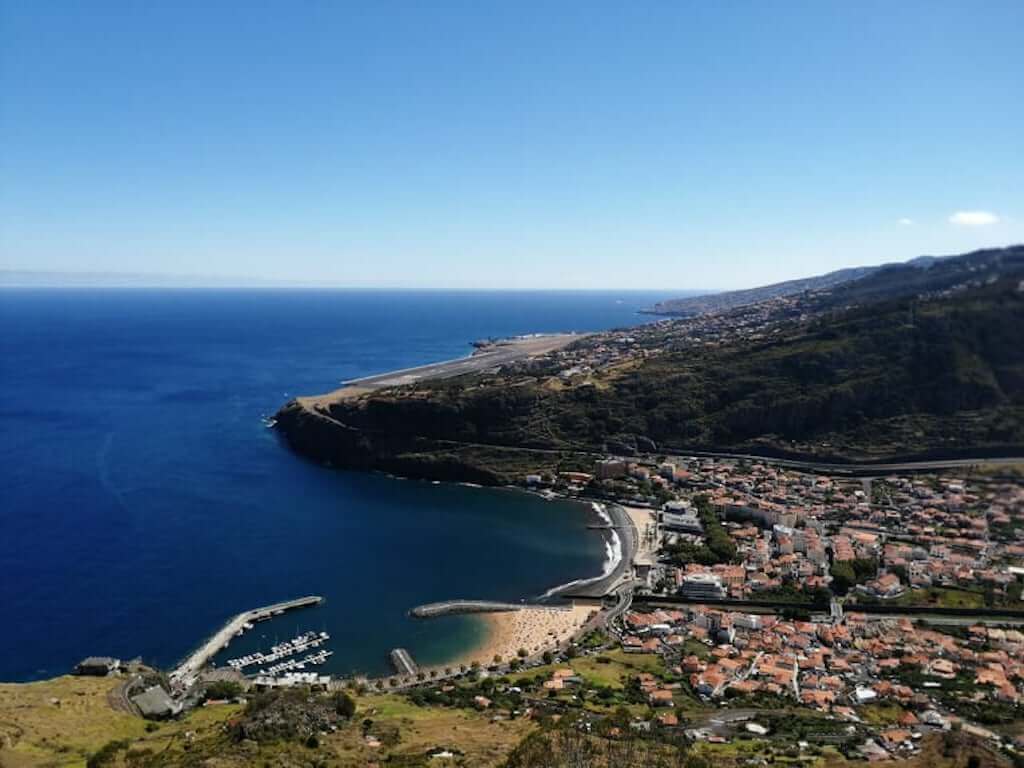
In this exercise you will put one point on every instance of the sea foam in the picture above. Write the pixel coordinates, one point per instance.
(612, 558)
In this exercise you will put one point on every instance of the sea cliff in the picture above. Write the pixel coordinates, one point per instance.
(322, 437)
(926, 367)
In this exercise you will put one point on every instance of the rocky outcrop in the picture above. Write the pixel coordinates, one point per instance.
(323, 438)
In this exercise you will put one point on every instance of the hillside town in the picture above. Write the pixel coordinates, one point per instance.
(891, 603)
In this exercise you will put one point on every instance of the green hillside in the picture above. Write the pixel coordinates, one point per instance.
(939, 375)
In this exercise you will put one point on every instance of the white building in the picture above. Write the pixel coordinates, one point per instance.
(702, 586)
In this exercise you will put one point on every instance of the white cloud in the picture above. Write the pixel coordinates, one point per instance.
(973, 218)
(905, 222)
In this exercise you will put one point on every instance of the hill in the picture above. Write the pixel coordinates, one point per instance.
(923, 363)
(717, 302)
(858, 284)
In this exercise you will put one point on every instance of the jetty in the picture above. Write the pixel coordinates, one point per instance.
(186, 673)
(402, 661)
(303, 642)
(453, 607)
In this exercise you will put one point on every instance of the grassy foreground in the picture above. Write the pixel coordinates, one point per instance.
(69, 720)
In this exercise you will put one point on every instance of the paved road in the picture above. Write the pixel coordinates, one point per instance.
(118, 699)
(863, 468)
(952, 621)
(629, 538)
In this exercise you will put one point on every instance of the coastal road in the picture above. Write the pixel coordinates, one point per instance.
(629, 539)
(500, 353)
(859, 469)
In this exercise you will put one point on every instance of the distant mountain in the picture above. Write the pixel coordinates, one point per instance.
(716, 302)
(925, 276)
(859, 284)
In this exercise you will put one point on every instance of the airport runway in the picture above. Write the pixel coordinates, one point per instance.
(500, 353)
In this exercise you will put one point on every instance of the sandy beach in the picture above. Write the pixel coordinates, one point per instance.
(647, 543)
(533, 628)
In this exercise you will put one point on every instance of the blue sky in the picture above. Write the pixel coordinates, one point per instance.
(568, 145)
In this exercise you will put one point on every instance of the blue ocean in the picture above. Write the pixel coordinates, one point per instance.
(143, 500)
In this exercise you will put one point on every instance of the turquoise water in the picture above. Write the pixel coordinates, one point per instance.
(143, 501)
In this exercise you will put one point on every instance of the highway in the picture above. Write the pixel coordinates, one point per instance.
(860, 469)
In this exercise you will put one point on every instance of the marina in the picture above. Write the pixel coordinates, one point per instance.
(298, 664)
(186, 673)
(301, 643)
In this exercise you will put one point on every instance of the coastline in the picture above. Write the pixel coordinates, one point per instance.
(534, 629)
(537, 628)
(613, 551)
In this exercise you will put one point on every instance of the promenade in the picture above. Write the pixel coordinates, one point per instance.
(629, 538)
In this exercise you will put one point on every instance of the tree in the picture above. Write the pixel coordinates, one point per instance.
(344, 705)
(843, 577)
(223, 689)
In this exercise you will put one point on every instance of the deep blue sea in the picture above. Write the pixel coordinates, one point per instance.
(143, 501)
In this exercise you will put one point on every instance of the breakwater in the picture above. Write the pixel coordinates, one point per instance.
(186, 673)
(455, 607)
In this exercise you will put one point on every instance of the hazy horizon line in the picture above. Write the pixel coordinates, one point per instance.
(36, 278)
(23, 278)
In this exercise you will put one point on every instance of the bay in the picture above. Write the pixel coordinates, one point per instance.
(143, 500)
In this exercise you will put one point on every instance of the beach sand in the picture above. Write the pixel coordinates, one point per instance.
(647, 543)
(534, 628)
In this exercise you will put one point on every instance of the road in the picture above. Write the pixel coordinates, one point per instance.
(863, 468)
(605, 585)
(118, 699)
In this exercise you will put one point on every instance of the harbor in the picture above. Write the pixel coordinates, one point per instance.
(186, 674)
(299, 644)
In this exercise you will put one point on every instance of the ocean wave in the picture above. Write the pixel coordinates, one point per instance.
(612, 555)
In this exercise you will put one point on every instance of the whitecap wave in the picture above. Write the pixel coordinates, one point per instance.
(612, 556)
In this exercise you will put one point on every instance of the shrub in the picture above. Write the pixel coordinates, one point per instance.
(344, 705)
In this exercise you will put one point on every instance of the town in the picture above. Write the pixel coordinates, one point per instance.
(891, 603)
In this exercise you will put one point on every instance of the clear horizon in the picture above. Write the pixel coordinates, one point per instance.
(55, 279)
(591, 147)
